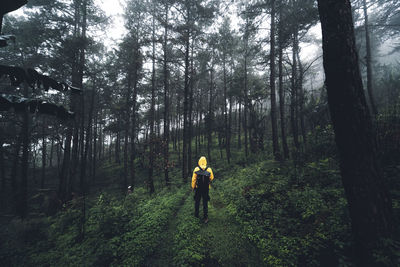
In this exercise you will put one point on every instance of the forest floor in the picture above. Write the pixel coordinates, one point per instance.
(262, 213)
(220, 242)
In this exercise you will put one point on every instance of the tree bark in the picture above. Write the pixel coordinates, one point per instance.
(166, 100)
(2, 167)
(185, 105)
(51, 152)
(246, 104)
(239, 126)
(210, 119)
(137, 65)
(94, 157)
(22, 203)
(369, 60)
(367, 196)
(225, 109)
(118, 143)
(77, 79)
(274, 122)
(87, 141)
(127, 125)
(293, 96)
(281, 90)
(190, 117)
(229, 131)
(301, 100)
(152, 110)
(82, 62)
(43, 155)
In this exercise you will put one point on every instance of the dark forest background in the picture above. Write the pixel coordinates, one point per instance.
(306, 171)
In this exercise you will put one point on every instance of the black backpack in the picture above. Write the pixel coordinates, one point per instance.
(203, 178)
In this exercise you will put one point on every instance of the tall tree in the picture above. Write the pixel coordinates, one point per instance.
(282, 39)
(274, 121)
(245, 93)
(368, 60)
(368, 198)
(293, 91)
(152, 105)
(226, 43)
(82, 63)
(166, 93)
(133, 62)
(44, 153)
(210, 111)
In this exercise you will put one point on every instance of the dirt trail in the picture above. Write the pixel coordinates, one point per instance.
(163, 255)
(221, 242)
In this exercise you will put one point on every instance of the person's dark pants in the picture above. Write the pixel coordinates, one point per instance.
(201, 194)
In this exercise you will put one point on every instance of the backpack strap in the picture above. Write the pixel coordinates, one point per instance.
(202, 169)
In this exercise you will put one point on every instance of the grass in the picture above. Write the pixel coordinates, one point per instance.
(262, 213)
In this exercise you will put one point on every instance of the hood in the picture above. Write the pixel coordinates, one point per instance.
(203, 162)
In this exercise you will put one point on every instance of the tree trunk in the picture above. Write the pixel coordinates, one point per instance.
(33, 160)
(82, 62)
(199, 127)
(94, 157)
(75, 154)
(152, 110)
(293, 96)
(166, 100)
(368, 198)
(62, 188)
(178, 125)
(51, 152)
(110, 149)
(134, 107)
(225, 109)
(245, 105)
(210, 119)
(239, 125)
(81, 146)
(301, 100)
(59, 153)
(197, 140)
(118, 143)
(281, 90)
(228, 138)
(190, 121)
(369, 60)
(87, 141)
(127, 125)
(43, 155)
(274, 122)
(76, 71)
(14, 169)
(2, 167)
(22, 203)
(185, 105)
(102, 146)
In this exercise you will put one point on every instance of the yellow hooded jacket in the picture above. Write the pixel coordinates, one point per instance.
(203, 165)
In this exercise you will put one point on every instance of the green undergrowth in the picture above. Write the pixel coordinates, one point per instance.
(116, 232)
(188, 245)
(262, 213)
(220, 242)
(296, 216)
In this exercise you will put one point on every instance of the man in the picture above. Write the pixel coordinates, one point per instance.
(201, 179)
